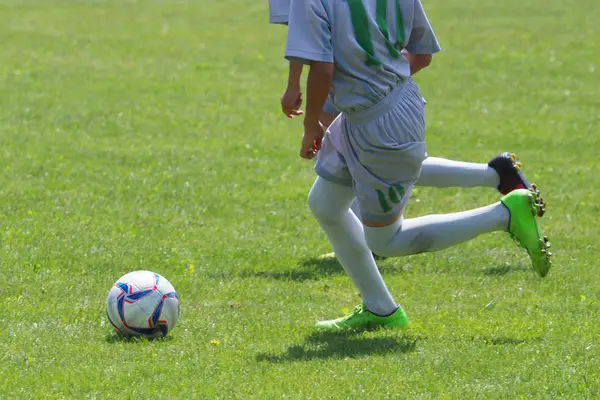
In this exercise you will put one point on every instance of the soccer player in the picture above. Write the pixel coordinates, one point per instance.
(374, 150)
(501, 172)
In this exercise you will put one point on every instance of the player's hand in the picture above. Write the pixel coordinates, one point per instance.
(312, 138)
(291, 101)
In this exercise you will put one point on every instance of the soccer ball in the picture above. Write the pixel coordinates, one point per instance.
(142, 303)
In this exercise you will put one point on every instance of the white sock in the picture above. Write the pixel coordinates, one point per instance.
(330, 203)
(436, 232)
(439, 172)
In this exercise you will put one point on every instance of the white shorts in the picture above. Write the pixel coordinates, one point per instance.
(378, 151)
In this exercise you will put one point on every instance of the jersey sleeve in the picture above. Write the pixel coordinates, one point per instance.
(309, 33)
(422, 39)
(279, 11)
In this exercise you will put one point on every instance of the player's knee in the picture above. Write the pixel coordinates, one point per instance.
(328, 201)
(381, 249)
(378, 240)
(318, 206)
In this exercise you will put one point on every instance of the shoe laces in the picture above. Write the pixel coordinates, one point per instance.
(357, 310)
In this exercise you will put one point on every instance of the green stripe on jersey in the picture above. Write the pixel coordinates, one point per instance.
(381, 17)
(360, 25)
(399, 25)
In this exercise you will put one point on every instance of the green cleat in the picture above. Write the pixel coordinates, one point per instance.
(524, 208)
(363, 319)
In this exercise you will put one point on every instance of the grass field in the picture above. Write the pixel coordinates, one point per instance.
(146, 134)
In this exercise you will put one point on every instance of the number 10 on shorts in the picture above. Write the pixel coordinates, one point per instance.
(394, 195)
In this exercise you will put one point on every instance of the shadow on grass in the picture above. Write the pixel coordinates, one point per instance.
(504, 269)
(341, 345)
(509, 341)
(115, 338)
(313, 268)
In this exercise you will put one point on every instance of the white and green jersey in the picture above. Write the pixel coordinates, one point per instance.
(279, 11)
(364, 39)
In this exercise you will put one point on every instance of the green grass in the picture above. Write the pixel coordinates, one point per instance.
(146, 135)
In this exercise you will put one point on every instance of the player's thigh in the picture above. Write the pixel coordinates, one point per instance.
(384, 157)
(331, 164)
(381, 200)
(329, 201)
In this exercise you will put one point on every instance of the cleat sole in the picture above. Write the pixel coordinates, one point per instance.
(541, 205)
(533, 241)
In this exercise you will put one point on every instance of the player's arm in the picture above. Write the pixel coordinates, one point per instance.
(317, 90)
(291, 100)
(319, 81)
(309, 42)
(417, 61)
(422, 43)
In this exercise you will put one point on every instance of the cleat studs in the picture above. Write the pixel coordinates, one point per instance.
(534, 189)
(541, 206)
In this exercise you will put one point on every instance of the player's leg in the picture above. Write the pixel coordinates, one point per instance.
(330, 204)
(328, 115)
(329, 200)
(388, 173)
(515, 213)
(432, 232)
(442, 173)
(502, 172)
